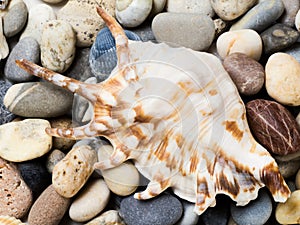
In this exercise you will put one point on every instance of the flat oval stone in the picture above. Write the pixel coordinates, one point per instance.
(110, 217)
(291, 7)
(289, 212)
(260, 16)
(70, 174)
(191, 26)
(53, 158)
(49, 208)
(190, 6)
(27, 48)
(283, 78)
(278, 37)
(274, 126)
(38, 99)
(90, 201)
(244, 41)
(232, 9)
(57, 45)
(161, 210)
(6, 115)
(15, 196)
(24, 140)
(247, 74)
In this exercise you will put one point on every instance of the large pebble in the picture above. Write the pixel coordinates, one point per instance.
(283, 79)
(6, 115)
(274, 126)
(110, 217)
(53, 158)
(289, 212)
(49, 208)
(232, 9)
(38, 99)
(196, 31)
(190, 6)
(38, 15)
(24, 140)
(245, 41)
(291, 8)
(91, 201)
(247, 74)
(15, 196)
(161, 210)
(260, 16)
(278, 37)
(27, 48)
(257, 212)
(83, 17)
(70, 174)
(57, 45)
(131, 13)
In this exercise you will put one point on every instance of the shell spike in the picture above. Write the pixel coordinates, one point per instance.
(116, 159)
(153, 189)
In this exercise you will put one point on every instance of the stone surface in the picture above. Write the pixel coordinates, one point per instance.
(289, 212)
(4, 50)
(260, 16)
(157, 7)
(270, 119)
(70, 174)
(83, 17)
(110, 217)
(144, 31)
(232, 9)
(57, 45)
(49, 208)
(132, 13)
(278, 37)
(247, 74)
(291, 7)
(90, 201)
(297, 20)
(27, 48)
(189, 217)
(6, 115)
(15, 196)
(190, 6)
(220, 27)
(289, 168)
(297, 181)
(161, 210)
(38, 99)
(294, 51)
(191, 26)
(216, 215)
(24, 140)
(245, 41)
(53, 1)
(53, 158)
(283, 78)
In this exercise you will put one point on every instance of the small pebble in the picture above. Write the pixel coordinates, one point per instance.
(189, 217)
(191, 26)
(297, 20)
(289, 168)
(244, 41)
(157, 7)
(283, 78)
(145, 32)
(49, 208)
(216, 215)
(297, 181)
(53, 158)
(6, 115)
(15, 195)
(247, 74)
(161, 210)
(291, 8)
(190, 6)
(24, 140)
(289, 212)
(294, 51)
(220, 27)
(4, 50)
(90, 201)
(110, 217)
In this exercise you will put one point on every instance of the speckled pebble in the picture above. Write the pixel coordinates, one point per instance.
(190, 6)
(53, 158)
(291, 8)
(110, 217)
(6, 115)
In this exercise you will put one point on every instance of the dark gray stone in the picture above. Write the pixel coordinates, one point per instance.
(218, 214)
(5, 115)
(291, 7)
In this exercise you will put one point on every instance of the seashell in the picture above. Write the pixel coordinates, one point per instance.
(9, 220)
(177, 114)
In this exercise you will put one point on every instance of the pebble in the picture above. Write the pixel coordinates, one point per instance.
(247, 74)
(84, 19)
(220, 27)
(49, 208)
(24, 140)
(27, 48)
(70, 174)
(6, 115)
(157, 7)
(189, 217)
(245, 41)
(90, 201)
(57, 45)
(38, 15)
(103, 57)
(15, 19)
(38, 99)
(191, 26)
(297, 20)
(260, 16)
(4, 50)
(257, 212)
(161, 210)
(270, 119)
(110, 217)
(283, 78)
(291, 8)
(289, 212)
(216, 215)
(15, 196)
(294, 51)
(278, 37)
(53, 158)
(144, 31)
(190, 6)
(132, 13)
(232, 9)
(289, 168)
(297, 181)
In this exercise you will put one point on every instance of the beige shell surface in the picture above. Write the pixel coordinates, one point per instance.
(177, 114)
(9, 220)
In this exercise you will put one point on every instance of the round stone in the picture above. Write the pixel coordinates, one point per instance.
(190, 6)
(110, 217)
(291, 7)
(6, 115)
(53, 158)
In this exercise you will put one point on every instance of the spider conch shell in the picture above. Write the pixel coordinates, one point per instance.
(177, 114)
